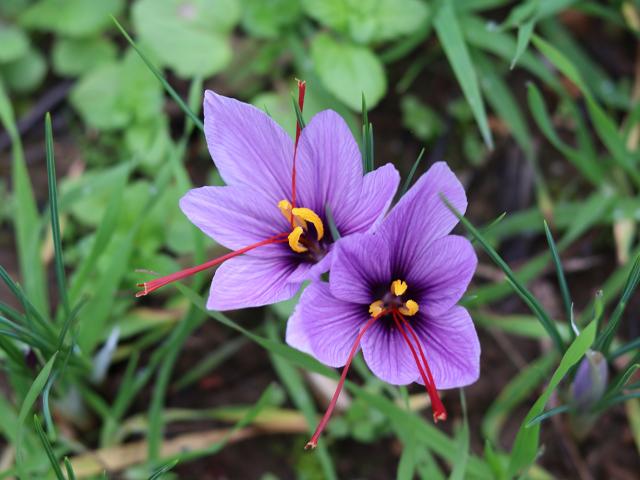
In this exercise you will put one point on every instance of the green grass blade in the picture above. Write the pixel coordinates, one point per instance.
(25, 216)
(524, 37)
(606, 337)
(548, 414)
(528, 298)
(159, 473)
(515, 392)
(302, 400)
(55, 465)
(526, 443)
(455, 48)
(55, 219)
(30, 399)
(459, 469)
(562, 281)
(71, 475)
(587, 165)
(412, 173)
(170, 90)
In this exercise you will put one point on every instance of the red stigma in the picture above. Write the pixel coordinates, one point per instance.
(439, 412)
(157, 283)
(302, 88)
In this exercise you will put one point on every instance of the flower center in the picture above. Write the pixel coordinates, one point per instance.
(394, 301)
(300, 218)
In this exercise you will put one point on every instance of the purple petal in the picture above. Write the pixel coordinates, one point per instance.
(442, 272)
(365, 214)
(296, 334)
(421, 216)
(360, 263)
(236, 217)
(247, 146)
(329, 166)
(387, 354)
(451, 345)
(330, 325)
(244, 282)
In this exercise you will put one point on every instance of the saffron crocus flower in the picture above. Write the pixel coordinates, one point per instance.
(273, 207)
(394, 293)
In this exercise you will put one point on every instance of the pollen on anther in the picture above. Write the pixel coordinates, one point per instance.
(398, 287)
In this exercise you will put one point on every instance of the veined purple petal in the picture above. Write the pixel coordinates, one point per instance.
(235, 217)
(420, 217)
(451, 345)
(329, 165)
(245, 281)
(368, 210)
(248, 147)
(330, 325)
(360, 262)
(296, 335)
(441, 273)
(387, 354)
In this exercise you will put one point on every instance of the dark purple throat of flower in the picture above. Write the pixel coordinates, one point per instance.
(392, 305)
(302, 239)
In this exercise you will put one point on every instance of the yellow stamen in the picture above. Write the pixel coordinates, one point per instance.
(312, 217)
(285, 208)
(376, 308)
(294, 240)
(398, 287)
(409, 308)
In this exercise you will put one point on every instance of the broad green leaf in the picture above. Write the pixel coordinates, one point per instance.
(267, 19)
(349, 71)
(527, 439)
(14, 41)
(455, 48)
(115, 95)
(189, 37)
(368, 21)
(74, 18)
(422, 120)
(73, 57)
(25, 73)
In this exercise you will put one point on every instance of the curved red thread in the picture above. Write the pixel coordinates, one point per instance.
(439, 412)
(162, 281)
(325, 418)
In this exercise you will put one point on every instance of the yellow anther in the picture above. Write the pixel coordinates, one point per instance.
(376, 308)
(312, 217)
(398, 287)
(285, 208)
(409, 308)
(294, 240)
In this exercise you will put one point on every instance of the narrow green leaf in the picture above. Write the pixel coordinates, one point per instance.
(55, 219)
(587, 165)
(526, 443)
(564, 288)
(159, 472)
(455, 48)
(333, 228)
(30, 399)
(25, 215)
(548, 414)
(412, 172)
(172, 93)
(526, 296)
(71, 475)
(302, 400)
(606, 337)
(296, 109)
(55, 465)
(524, 37)
(462, 443)
(515, 392)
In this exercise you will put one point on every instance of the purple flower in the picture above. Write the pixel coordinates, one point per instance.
(394, 293)
(275, 216)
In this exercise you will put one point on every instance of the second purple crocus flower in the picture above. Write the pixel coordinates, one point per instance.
(394, 293)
